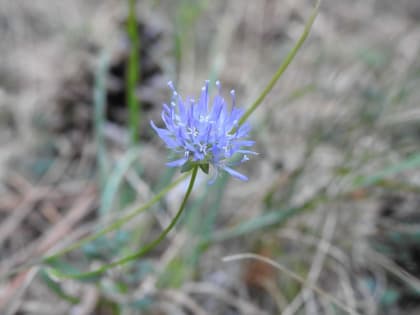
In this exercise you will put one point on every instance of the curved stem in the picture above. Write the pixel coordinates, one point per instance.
(143, 250)
(285, 64)
(116, 223)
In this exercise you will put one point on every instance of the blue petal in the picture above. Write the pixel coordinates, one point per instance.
(217, 107)
(235, 174)
(247, 152)
(167, 120)
(160, 131)
(177, 163)
(166, 136)
(244, 143)
(166, 108)
(202, 103)
(182, 110)
(191, 126)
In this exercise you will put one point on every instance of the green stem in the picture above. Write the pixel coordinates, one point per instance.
(143, 250)
(99, 96)
(132, 73)
(118, 222)
(290, 56)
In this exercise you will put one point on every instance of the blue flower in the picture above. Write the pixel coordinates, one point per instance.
(203, 135)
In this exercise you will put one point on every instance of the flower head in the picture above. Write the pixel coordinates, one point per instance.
(203, 134)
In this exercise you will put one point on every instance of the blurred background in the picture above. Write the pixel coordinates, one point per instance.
(333, 196)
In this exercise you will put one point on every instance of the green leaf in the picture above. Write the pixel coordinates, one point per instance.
(140, 270)
(54, 286)
(176, 273)
(116, 178)
(263, 222)
(106, 246)
(91, 276)
(61, 270)
(187, 167)
(390, 297)
(411, 162)
(141, 304)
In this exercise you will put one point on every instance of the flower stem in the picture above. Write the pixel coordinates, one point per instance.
(117, 222)
(285, 64)
(143, 250)
(113, 224)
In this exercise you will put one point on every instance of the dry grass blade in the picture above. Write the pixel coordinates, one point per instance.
(89, 301)
(11, 300)
(340, 260)
(393, 268)
(18, 215)
(243, 306)
(306, 296)
(293, 275)
(184, 300)
(74, 215)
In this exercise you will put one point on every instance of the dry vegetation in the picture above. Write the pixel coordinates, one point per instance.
(333, 196)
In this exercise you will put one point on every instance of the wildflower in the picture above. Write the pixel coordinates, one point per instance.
(203, 135)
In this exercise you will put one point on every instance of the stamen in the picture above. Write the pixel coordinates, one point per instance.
(206, 94)
(203, 148)
(171, 85)
(219, 86)
(192, 131)
(232, 94)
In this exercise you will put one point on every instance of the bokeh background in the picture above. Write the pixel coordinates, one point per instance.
(333, 196)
